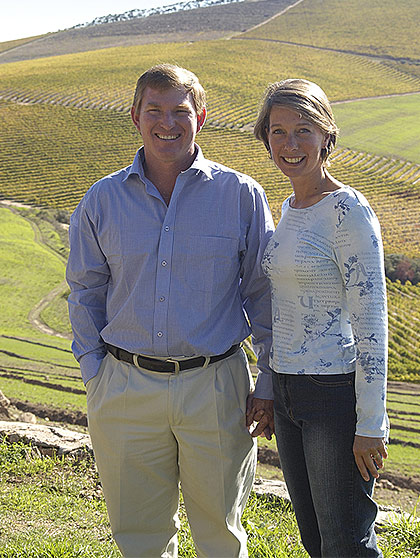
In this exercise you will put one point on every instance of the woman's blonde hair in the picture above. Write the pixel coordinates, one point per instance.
(306, 98)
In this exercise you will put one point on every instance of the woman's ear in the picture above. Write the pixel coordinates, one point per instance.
(201, 118)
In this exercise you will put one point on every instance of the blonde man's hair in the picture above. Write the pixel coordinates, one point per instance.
(165, 76)
(306, 98)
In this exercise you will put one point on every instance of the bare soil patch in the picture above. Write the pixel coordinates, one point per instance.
(42, 411)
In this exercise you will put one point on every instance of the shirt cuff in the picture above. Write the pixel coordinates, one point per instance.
(374, 429)
(264, 386)
(90, 364)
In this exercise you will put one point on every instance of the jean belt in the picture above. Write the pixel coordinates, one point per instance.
(169, 365)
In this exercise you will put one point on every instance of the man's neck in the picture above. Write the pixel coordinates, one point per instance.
(164, 182)
(164, 175)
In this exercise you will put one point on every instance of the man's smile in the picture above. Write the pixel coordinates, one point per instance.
(168, 137)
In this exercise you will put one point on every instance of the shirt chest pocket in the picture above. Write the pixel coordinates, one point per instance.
(210, 263)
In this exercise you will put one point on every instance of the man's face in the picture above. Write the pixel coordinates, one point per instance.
(168, 123)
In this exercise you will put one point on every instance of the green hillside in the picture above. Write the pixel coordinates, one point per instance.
(28, 272)
(235, 74)
(379, 27)
(388, 127)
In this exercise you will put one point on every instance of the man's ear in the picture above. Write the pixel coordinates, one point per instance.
(135, 118)
(201, 118)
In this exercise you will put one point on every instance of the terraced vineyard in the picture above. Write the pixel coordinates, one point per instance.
(354, 25)
(62, 151)
(404, 330)
(235, 75)
(50, 155)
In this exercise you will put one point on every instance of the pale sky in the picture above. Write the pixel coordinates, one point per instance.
(26, 18)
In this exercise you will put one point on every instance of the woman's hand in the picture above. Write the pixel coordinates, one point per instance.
(260, 411)
(369, 454)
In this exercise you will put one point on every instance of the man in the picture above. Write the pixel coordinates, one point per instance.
(165, 279)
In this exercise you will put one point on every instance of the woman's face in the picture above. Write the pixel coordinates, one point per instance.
(295, 143)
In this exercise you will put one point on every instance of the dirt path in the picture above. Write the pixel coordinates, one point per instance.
(382, 57)
(34, 315)
(269, 19)
(376, 97)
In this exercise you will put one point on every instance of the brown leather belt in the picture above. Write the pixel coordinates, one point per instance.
(170, 365)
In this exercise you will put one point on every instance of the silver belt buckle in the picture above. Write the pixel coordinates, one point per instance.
(136, 360)
(176, 363)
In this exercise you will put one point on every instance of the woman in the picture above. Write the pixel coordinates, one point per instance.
(325, 264)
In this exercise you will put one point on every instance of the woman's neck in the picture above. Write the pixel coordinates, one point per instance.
(309, 192)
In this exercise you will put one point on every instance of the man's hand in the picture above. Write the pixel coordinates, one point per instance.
(369, 454)
(260, 411)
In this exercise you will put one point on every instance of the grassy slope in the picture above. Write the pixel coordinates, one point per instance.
(28, 272)
(378, 27)
(388, 127)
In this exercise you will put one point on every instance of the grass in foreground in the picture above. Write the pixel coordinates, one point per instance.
(53, 508)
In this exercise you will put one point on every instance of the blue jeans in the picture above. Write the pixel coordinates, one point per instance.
(315, 422)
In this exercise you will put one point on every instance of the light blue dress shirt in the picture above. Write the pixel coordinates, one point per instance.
(177, 280)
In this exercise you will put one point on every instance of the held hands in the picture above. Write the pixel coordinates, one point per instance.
(369, 454)
(260, 411)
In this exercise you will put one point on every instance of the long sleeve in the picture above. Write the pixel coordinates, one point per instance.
(88, 276)
(359, 254)
(255, 291)
(169, 280)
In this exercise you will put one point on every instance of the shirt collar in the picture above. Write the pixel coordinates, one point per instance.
(200, 164)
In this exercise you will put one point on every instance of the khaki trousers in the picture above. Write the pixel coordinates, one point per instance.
(151, 431)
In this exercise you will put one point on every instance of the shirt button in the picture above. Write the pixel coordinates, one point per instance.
(160, 334)
(166, 228)
(162, 299)
(164, 263)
